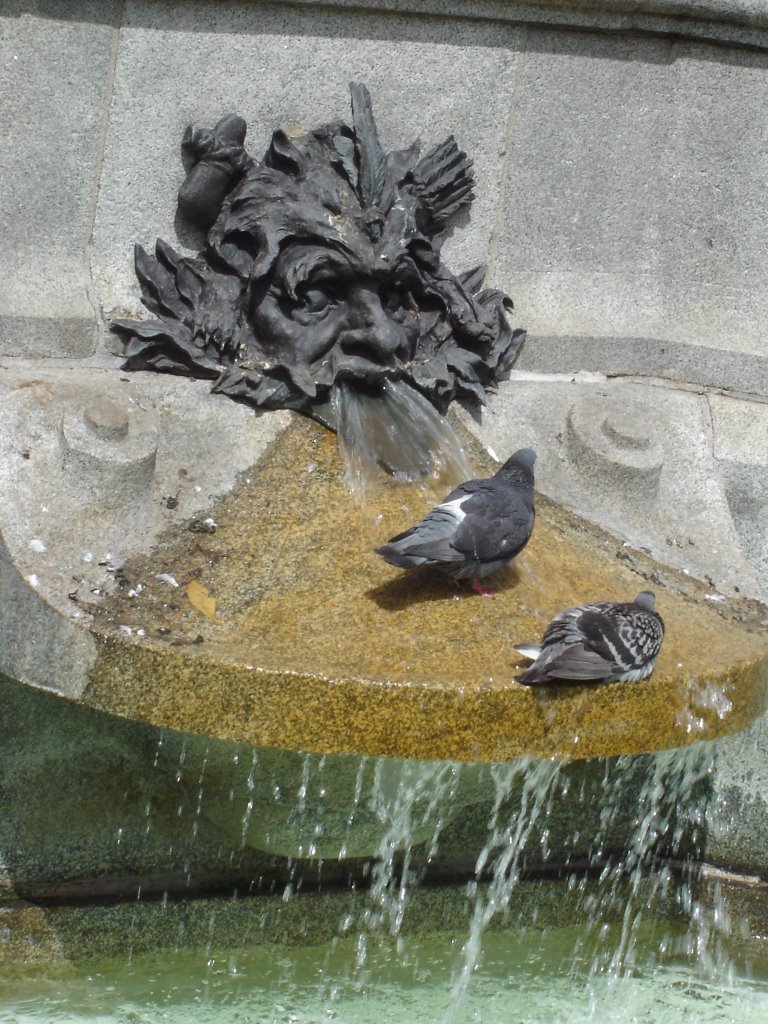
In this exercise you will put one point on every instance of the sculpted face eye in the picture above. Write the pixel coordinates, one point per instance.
(395, 301)
(314, 300)
(310, 304)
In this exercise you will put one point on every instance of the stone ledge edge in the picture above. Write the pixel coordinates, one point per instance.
(740, 23)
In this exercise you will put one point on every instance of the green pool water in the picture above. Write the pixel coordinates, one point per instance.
(529, 976)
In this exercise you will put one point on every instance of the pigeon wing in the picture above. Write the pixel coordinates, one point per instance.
(431, 539)
(641, 633)
(573, 647)
(497, 524)
(577, 662)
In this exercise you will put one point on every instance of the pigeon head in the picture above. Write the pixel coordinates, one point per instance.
(645, 600)
(519, 466)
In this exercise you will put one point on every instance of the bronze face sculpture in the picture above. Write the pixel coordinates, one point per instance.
(322, 264)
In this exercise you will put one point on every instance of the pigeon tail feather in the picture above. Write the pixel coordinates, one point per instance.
(401, 559)
(533, 676)
(531, 651)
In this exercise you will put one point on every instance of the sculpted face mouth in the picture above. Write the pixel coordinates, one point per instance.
(322, 264)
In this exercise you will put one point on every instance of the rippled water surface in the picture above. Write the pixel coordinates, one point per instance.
(526, 977)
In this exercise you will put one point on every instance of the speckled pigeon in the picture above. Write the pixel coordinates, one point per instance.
(603, 642)
(476, 529)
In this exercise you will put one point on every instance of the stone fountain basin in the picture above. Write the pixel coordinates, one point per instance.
(281, 628)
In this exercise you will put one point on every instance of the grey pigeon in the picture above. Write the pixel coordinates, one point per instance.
(476, 529)
(604, 642)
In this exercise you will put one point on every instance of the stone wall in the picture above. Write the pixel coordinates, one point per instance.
(620, 173)
(620, 154)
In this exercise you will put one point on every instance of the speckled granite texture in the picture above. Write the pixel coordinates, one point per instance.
(316, 644)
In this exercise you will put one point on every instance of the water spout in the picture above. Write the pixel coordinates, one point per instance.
(397, 430)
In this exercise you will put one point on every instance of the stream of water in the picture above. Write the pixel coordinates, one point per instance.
(399, 431)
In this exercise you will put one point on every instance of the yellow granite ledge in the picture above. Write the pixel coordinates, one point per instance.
(295, 635)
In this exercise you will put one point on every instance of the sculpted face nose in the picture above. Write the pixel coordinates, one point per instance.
(370, 324)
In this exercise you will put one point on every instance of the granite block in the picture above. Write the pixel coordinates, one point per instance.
(190, 64)
(634, 203)
(55, 75)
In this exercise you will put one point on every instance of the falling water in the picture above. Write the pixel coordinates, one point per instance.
(396, 430)
(615, 893)
(648, 824)
(502, 853)
(637, 941)
(672, 811)
(410, 799)
(673, 808)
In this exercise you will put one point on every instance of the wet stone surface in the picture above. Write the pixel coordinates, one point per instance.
(99, 807)
(37, 934)
(280, 627)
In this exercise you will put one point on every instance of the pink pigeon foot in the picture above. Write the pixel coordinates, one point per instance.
(478, 588)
